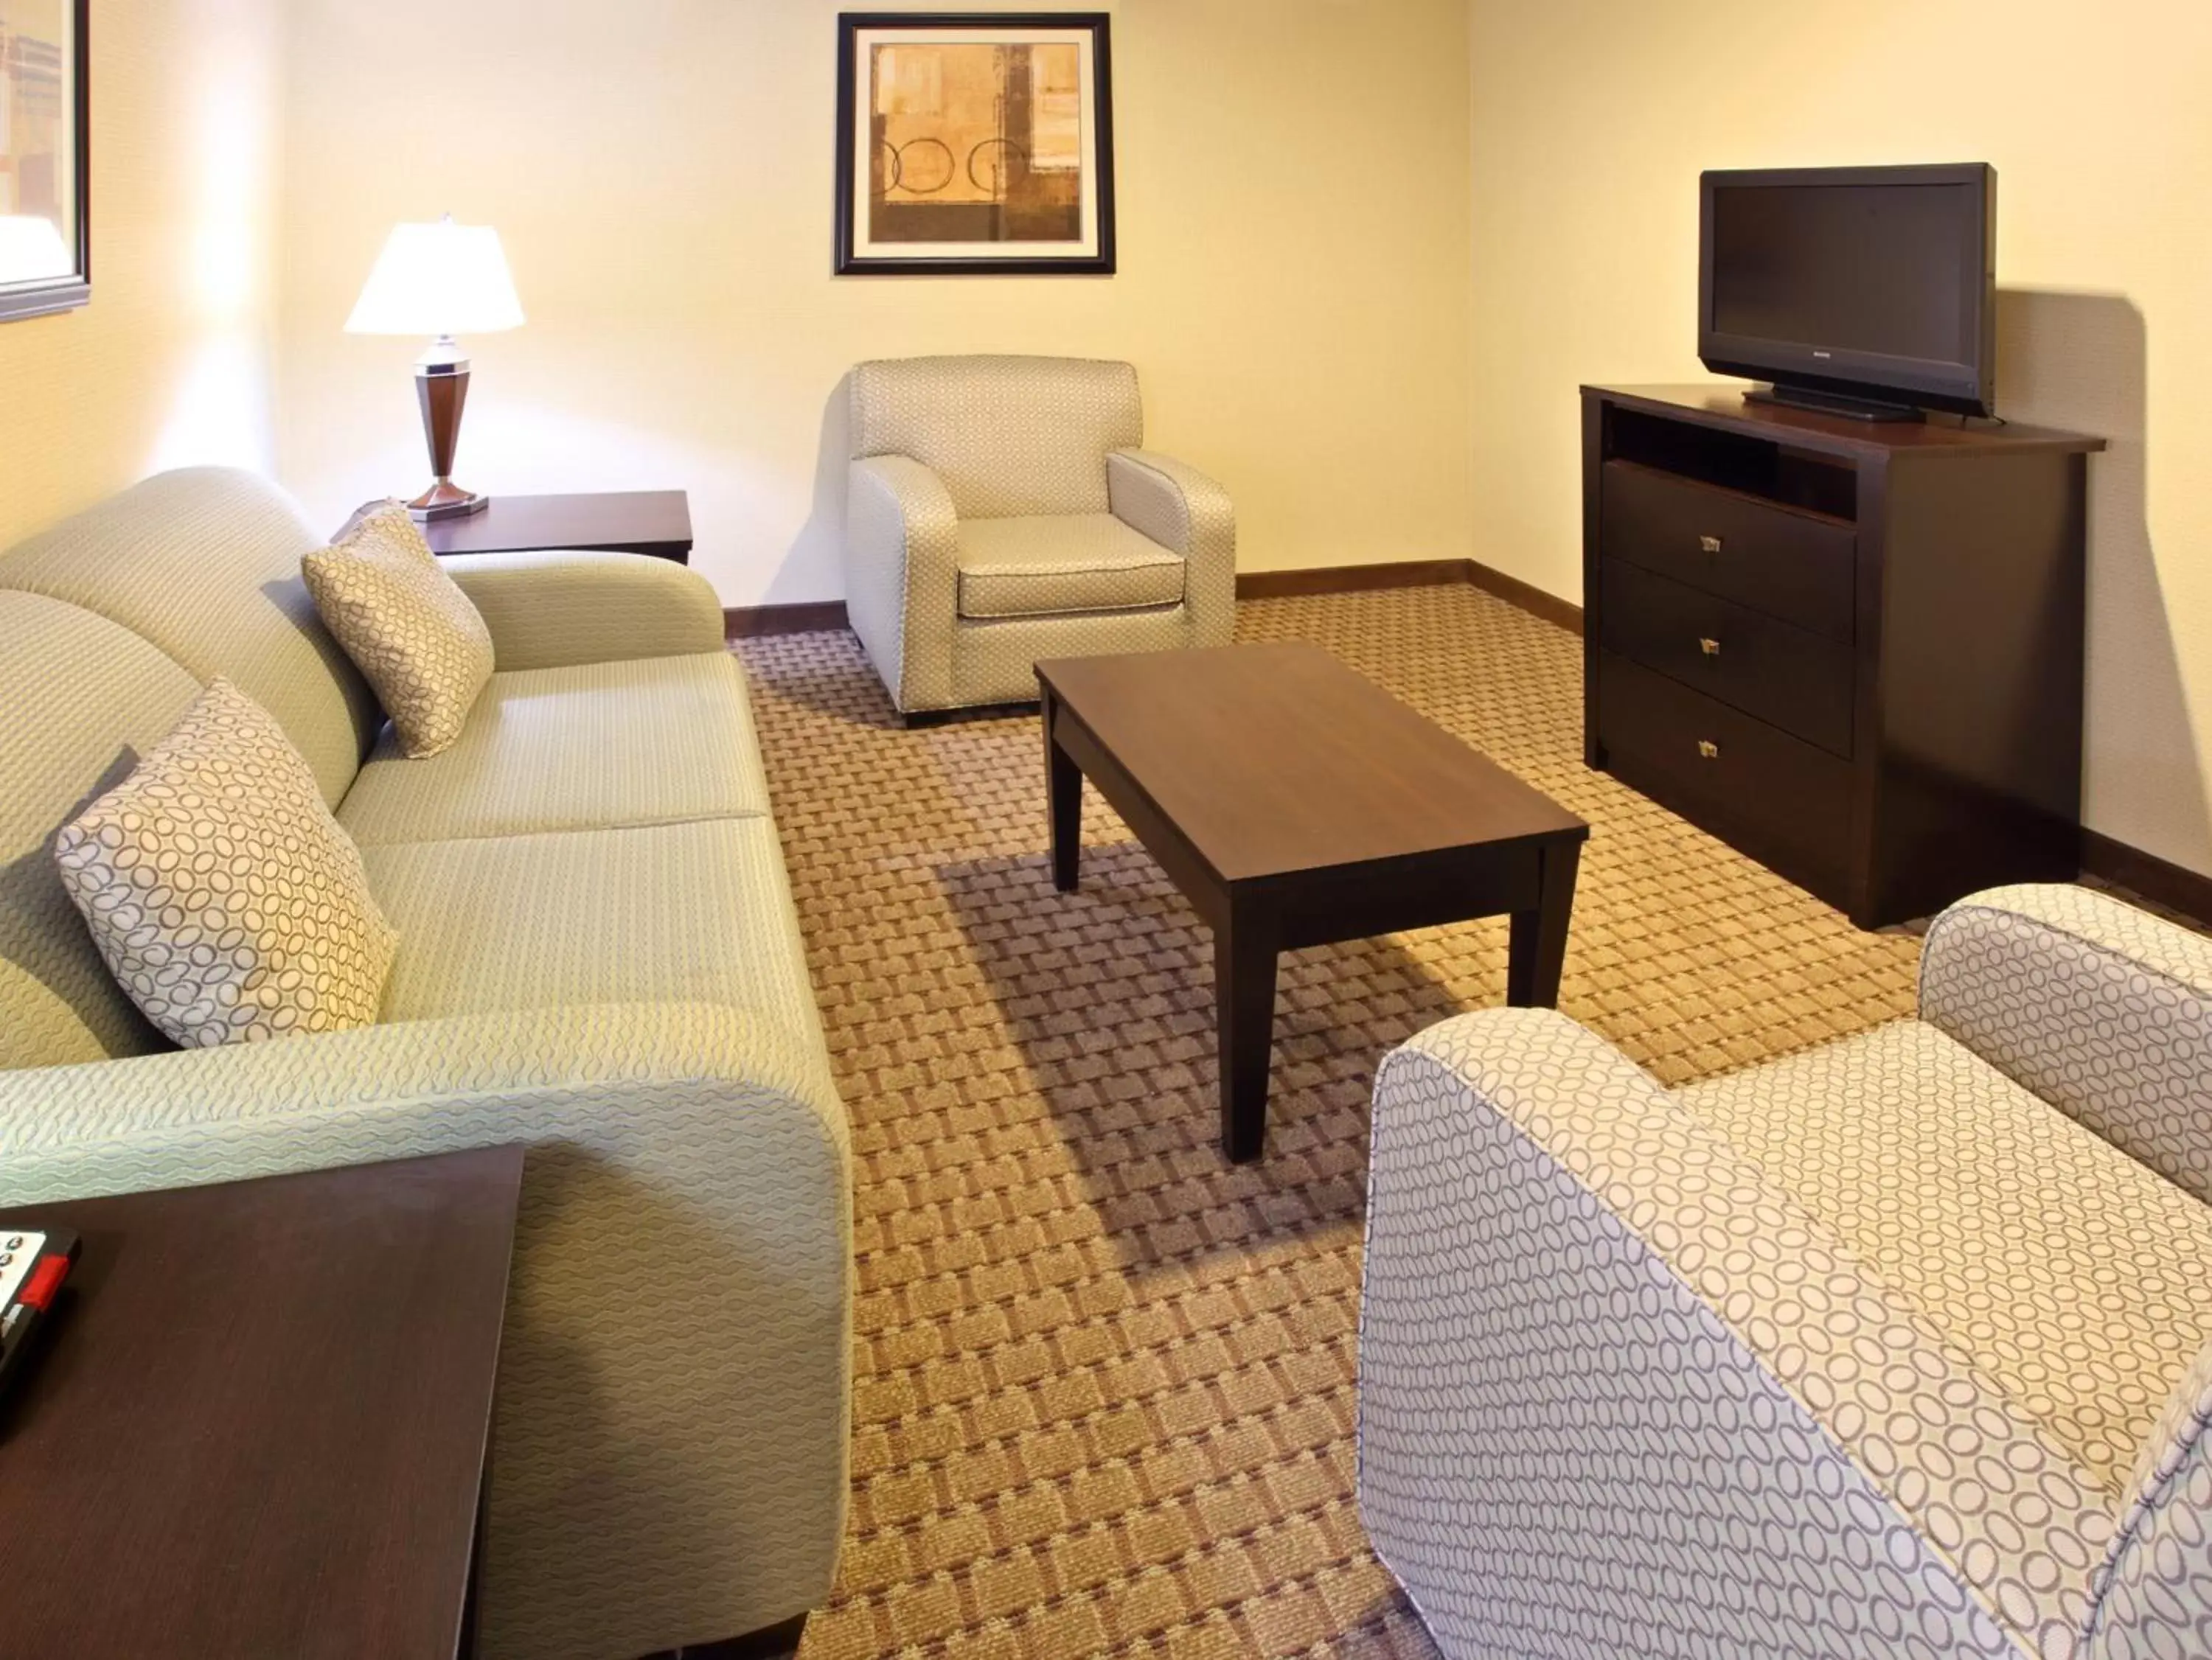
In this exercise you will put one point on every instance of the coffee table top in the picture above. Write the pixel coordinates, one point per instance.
(1277, 759)
(256, 1423)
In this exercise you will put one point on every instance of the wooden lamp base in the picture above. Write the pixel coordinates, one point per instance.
(441, 386)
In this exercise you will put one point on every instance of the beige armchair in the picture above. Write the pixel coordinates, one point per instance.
(1001, 510)
(1895, 1347)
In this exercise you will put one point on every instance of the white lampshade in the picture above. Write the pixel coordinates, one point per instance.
(441, 279)
(32, 250)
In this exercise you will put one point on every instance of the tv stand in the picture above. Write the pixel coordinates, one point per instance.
(1833, 404)
(1853, 651)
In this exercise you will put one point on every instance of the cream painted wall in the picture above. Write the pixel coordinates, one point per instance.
(170, 364)
(1591, 120)
(1293, 218)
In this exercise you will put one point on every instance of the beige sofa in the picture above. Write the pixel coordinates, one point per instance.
(1001, 510)
(1899, 1346)
(598, 956)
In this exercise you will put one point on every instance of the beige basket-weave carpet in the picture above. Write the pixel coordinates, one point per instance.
(1104, 1382)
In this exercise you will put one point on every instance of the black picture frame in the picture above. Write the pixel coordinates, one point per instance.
(848, 261)
(67, 294)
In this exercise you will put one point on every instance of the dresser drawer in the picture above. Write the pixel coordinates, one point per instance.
(1781, 800)
(1793, 565)
(1785, 675)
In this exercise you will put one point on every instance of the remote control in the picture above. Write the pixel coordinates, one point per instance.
(32, 1266)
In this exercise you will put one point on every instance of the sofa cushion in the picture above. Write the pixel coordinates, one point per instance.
(405, 623)
(1048, 564)
(2074, 1276)
(219, 890)
(600, 746)
(84, 697)
(673, 913)
(205, 564)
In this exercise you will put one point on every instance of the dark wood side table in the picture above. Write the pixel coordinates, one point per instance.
(1295, 803)
(258, 1424)
(653, 522)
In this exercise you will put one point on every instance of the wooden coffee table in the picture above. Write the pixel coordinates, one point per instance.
(1294, 802)
(258, 1420)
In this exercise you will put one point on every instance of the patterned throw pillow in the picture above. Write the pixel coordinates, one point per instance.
(223, 896)
(405, 623)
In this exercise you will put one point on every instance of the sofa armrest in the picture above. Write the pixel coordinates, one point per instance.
(2103, 1010)
(901, 575)
(674, 1377)
(1181, 508)
(1572, 1286)
(555, 610)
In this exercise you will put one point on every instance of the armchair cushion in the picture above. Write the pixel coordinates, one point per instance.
(2073, 1275)
(1045, 563)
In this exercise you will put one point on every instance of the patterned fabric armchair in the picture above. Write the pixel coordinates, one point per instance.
(1900, 1346)
(1001, 510)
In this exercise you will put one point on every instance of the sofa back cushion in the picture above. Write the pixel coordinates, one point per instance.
(205, 564)
(1007, 435)
(84, 698)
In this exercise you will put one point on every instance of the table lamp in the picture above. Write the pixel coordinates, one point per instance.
(440, 279)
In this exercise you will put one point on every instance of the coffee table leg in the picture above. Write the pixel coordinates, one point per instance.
(1244, 1006)
(1539, 946)
(1064, 791)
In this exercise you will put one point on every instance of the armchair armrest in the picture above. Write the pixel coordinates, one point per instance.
(557, 609)
(2103, 1010)
(1572, 1284)
(2155, 1587)
(903, 574)
(1181, 509)
(671, 1416)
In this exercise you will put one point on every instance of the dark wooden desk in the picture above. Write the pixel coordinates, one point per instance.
(655, 522)
(1294, 802)
(258, 1424)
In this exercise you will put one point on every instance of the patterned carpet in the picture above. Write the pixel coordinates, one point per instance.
(1104, 1398)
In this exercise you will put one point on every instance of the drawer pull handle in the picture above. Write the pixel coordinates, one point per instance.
(1712, 648)
(1708, 749)
(1709, 545)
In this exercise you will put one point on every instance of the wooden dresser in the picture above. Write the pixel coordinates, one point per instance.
(1853, 651)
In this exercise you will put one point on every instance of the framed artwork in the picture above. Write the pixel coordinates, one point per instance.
(973, 144)
(45, 243)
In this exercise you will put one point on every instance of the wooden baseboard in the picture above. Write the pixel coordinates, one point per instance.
(2176, 886)
(1349, 579)
(741, 622)
(1536, 601)
(744, 621)
(1411, 573)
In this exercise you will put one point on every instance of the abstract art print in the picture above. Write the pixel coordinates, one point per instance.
(44, 255)
(974, 143)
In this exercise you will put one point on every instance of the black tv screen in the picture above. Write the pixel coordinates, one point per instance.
(1873, 282)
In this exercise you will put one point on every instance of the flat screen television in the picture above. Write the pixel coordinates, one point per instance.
(1869, 291)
